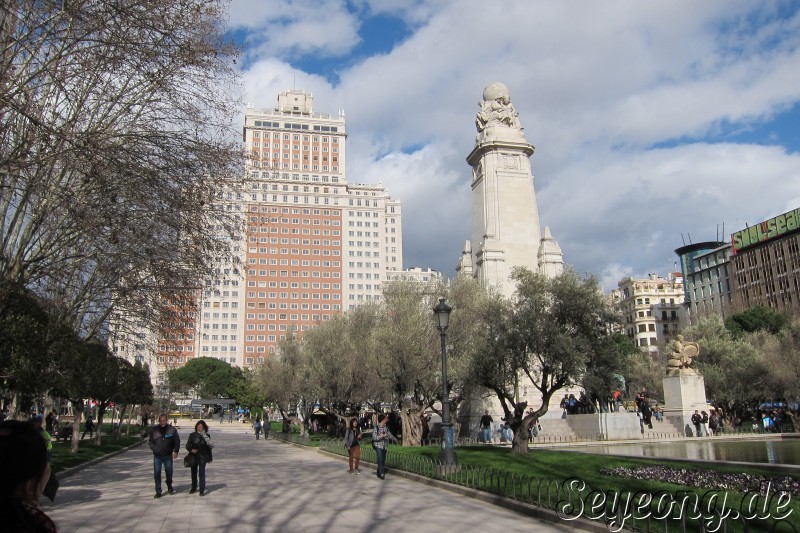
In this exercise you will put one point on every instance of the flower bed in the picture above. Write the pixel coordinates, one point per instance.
(709, 480)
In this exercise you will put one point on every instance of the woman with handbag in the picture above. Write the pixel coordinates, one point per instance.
(351, 438)
(199, 446)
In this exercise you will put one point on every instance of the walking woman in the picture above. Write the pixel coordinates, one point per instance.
(200, 445)
(380, 440)
(351, 438)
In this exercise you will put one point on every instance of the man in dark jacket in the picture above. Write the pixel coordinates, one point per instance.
(697, 420)
(165, 443)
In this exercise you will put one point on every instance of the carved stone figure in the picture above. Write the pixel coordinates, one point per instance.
(682, 357)
(497, 109)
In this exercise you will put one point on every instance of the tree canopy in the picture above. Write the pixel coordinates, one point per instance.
(757, 318)
(208, 377)
(551, 333)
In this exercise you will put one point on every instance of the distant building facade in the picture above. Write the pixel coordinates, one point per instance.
(652, 309)
(766, 264)
(708, 285)
(419, 275)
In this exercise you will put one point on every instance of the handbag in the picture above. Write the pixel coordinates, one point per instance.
(189, 460)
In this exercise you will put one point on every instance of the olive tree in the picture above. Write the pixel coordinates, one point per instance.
(549, 333)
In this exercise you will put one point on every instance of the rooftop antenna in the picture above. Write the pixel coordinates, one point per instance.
(684, 240)
(717, 232)
(723, 232)
(690, 237)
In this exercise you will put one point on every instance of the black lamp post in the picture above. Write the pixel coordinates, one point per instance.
(447, 455)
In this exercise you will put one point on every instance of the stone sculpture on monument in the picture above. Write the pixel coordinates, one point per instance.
(497, 108)
(684, 387)
(681, 360)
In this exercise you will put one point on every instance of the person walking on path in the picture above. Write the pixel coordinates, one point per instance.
(257, 427)
(50, 420)
(165, 443)
(380, 441)
(88, 428)
(704, 423)
(230, 416)
(351, 442)
(697, 419)
(486, 427)
(24, 473)
(265, 427)
(199, 445)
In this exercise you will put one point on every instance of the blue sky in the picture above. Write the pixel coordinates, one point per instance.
(650, 119)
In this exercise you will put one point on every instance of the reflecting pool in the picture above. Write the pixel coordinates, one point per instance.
(778, 451)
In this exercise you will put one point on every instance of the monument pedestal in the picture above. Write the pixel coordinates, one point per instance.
(683, 394)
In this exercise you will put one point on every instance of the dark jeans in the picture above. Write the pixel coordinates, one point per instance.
(258, 432)
(159, 460)
(381, 455)
(202, 468)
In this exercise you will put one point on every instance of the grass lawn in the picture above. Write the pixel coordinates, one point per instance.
(310, 440)
(557, 466)
(64, 458)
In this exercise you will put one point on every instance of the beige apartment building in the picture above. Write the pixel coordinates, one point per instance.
(652, 309)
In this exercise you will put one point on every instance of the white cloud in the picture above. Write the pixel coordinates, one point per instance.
(597, 85)
(413, 12)
(295, 27)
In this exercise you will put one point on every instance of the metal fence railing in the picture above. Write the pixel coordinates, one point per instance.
(295, 438)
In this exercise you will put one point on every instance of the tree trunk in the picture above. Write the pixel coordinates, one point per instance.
(519, 444)
(454, 418)
(76, 426)
(101, 411)
(13, 410)
(795, 420)
(118, 430)
(138, 417)
(412, 426)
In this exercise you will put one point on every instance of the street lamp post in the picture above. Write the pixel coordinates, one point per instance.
(447, 455)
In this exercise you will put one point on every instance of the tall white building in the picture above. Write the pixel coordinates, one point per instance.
(311, 245)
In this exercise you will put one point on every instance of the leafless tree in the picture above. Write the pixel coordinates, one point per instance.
(116, 144)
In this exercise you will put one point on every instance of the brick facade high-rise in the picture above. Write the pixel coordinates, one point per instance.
(311, 245)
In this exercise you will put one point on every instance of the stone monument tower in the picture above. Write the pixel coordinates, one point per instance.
(505, 216)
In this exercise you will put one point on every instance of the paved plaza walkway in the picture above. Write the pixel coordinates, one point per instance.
(261, 486)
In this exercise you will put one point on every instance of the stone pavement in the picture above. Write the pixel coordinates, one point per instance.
(261, 486)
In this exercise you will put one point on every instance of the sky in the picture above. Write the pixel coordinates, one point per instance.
(655, 124)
